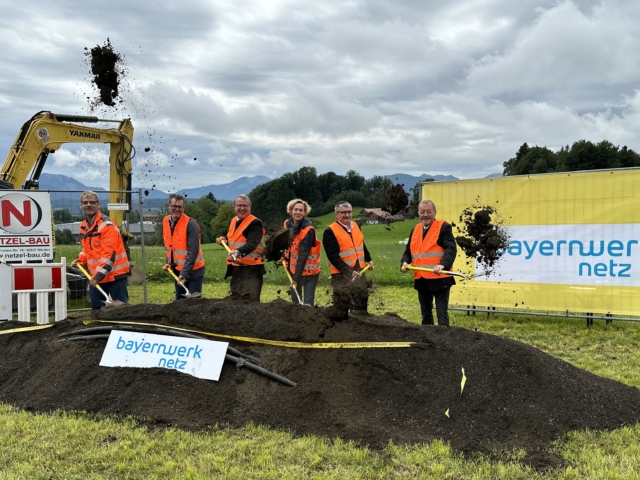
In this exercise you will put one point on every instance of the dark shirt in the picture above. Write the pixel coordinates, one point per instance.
(253, 234)
(446, 241)
(332, 249)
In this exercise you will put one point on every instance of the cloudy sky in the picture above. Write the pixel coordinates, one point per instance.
(266, 87)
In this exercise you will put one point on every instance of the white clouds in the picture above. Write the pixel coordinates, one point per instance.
(250, 88)
(564, 48)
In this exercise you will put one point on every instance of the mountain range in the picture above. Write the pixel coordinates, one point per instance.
(153, 199)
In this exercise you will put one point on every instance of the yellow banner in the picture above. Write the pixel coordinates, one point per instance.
(574, 241)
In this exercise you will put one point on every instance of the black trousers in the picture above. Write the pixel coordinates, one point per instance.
(426, 296)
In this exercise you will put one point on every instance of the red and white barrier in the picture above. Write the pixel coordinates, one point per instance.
(41, 279)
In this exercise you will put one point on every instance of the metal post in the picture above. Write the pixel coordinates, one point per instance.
(144, 260)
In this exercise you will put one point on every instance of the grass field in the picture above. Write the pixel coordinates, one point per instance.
(75, 445)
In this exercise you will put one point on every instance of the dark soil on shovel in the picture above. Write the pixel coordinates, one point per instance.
(514, 396)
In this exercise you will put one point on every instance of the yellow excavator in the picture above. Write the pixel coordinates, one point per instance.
(46, 132)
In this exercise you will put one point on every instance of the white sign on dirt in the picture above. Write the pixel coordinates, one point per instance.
(25, 226)
(585, 254)
(199, 358)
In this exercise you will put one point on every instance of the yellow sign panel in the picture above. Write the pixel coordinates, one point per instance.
(574, 241)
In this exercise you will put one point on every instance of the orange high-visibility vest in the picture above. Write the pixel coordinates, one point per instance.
(351, 246)
(236, 239)
(102, 247)
(425, 252)
(312, 267)
(176, 243)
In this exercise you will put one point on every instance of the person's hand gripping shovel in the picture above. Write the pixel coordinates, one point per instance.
(359, 274)
(222, 241)
(444, 272)
(108, 301)
(175, 277)
(292, 284)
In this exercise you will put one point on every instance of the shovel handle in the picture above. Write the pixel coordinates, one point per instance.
(86, 274)
(446, 272)
(175, 277)
(293, 285)
(226, 247)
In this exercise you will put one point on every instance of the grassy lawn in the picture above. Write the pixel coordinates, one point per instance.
(75, 445)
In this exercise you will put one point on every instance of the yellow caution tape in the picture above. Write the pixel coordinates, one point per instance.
(26, 329)
(268, 342)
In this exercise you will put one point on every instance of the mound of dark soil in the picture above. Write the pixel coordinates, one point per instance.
(515, 395)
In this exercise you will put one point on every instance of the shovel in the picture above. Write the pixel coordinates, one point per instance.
(226, 247)
(367, 267)
(446, 272)
(292, 284)
(108, 301)
(188, 294)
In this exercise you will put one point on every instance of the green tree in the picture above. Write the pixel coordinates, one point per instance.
(220, 223)
(62, 215)
(304, 184)
(269, 202)
(395, 199)
(531, 160)
(330, 184)
(64, 237)
(354, 182)
(376, 190)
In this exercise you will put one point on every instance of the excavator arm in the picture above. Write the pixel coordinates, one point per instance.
(46, 132)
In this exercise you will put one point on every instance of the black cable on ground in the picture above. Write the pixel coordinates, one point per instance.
(175, 333)
(239, 362)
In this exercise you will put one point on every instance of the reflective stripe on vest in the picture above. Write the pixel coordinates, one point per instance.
(236, 239)
(351, 246)
(426, 252)
(176, 243)
(312, 266)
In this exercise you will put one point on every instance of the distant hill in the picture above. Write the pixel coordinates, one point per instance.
(495, 175)
(409, 181)
(227, 191)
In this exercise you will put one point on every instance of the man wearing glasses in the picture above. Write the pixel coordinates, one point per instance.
(244, 262)
(102, 252)
(344, 245)
(181, 235)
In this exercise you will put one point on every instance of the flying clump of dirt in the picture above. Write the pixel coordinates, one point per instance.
(484, 236)
(108, 70)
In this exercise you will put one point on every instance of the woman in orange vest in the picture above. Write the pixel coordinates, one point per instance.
(303, 255)
(431, 245)
(102, 252)
(347, 253)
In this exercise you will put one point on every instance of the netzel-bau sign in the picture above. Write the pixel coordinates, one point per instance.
(25, 226)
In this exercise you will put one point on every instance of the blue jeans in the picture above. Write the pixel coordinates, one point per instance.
(117, 289)
(308, 283)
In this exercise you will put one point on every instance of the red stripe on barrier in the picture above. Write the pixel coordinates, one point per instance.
(56, 277)
(23, 278)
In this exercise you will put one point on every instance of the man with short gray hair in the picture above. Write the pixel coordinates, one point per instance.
(347, 253)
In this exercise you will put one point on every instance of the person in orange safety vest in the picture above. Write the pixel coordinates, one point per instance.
(244, 263)
(181, 235)
(103, 253)
(431, 245)
(303, 254)
(347, 253)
